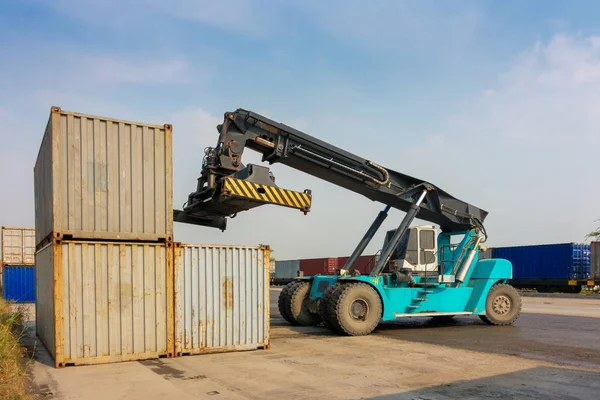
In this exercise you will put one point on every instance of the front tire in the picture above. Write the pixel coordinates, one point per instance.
(355, 309)
(502, 306)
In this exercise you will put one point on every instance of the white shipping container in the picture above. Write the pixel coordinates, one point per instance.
(102, 178)
(103, 302)
(221, 298)
(18, 246)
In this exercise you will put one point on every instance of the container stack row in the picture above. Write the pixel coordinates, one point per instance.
(103, 234)
(111, 284)
(17, 267)
(287, 270)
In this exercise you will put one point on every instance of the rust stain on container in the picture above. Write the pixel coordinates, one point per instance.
(227, 293)
(221, 298)
(202, 330)
(92, 301)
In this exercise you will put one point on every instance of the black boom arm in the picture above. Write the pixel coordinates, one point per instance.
(226, 186)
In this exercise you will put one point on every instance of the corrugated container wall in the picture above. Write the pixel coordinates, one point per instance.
(18, 283)
(595, 260)
(101, 302)
(18, 246)
(364, 264)
(102, 178)
(316, 266)
(287, 269)
(552, 261)
(221, 298)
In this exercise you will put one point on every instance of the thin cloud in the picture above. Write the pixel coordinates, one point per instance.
(391, 26)
(243, 16)
(527, 153)
(114, 71)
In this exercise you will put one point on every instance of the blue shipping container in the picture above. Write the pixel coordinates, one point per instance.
(549, 261)
(19, 283)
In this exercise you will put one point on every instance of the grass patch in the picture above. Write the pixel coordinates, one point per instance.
(12, 353)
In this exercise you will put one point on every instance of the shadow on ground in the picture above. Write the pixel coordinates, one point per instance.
(540, 337)
(536, 383)
(36, 351)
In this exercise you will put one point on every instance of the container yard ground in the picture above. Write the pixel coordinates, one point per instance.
(550, 353)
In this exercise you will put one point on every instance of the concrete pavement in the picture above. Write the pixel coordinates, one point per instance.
(543, 356)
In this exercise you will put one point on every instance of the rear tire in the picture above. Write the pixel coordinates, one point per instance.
(502, 306)
(295, 305)
(355, 309)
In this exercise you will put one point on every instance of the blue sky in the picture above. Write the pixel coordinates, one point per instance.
(496, 102)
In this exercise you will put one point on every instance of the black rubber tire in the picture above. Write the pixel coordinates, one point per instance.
(284, 301)
(297, 307)
(340, 316)
(512, 301)
(323, 306)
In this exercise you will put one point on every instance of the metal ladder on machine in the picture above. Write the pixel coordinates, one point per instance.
(430, 281)
(425, 286)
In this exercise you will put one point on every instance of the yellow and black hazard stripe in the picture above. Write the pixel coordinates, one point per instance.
(267, 194)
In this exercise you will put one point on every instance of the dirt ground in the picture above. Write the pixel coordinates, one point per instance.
(550, 353)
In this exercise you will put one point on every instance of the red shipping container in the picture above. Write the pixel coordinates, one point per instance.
(315, 266)
(363, 264)
(327, 266)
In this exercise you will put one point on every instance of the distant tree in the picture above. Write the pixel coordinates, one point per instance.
(594, 235)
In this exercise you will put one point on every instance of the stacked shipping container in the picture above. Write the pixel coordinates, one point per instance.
(111, 284)
(286, 270)
(99, 178)
(18, 246)
(102, 178)
(18, 259)
(102, 302)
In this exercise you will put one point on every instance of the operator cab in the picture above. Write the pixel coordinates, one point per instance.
(416, 252)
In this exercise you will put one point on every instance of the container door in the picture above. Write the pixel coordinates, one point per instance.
(12, 246)
(29, 246)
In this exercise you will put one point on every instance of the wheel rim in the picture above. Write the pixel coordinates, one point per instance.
(502, 305)
(359, 309)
